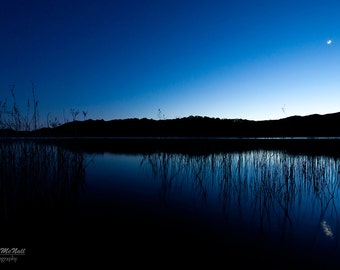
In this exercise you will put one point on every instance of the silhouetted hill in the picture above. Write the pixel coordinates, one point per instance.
(195, 126)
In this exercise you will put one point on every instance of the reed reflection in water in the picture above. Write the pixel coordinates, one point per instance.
(41, 191)
(38, 175)
(262, 205)
(269, 198)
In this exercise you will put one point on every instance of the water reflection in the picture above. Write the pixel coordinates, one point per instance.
(38, 178)
(290, 200)
(253, 204)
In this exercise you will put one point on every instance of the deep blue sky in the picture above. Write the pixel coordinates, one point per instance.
(127, 59)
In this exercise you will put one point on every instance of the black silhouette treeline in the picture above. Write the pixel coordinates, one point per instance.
(194, 126)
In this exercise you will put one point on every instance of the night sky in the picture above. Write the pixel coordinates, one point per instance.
(244, 59)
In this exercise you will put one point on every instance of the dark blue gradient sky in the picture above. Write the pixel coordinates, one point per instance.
(127, 59)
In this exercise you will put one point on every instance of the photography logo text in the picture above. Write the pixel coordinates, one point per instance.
(11, 255)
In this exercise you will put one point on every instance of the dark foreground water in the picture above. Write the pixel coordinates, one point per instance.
(259, 207)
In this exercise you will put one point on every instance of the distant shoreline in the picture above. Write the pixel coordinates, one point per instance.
(165, 138)
(329, 146)
(297, 127)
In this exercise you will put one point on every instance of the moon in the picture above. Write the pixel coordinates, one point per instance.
(329, 42)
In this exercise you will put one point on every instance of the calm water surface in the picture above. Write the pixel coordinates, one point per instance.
(265, 206)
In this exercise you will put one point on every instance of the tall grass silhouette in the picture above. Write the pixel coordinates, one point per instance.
(15, 118)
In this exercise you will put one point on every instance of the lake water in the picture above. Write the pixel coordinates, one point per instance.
(270, 208)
